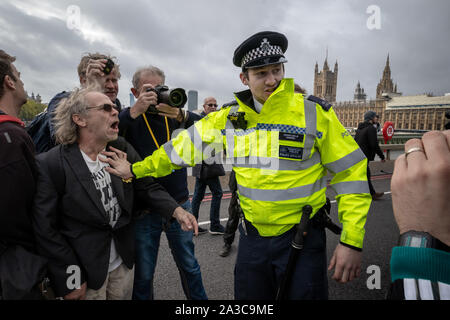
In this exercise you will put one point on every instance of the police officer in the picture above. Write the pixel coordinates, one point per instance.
(282, 145)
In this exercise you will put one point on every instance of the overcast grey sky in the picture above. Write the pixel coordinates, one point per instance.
(193, 41)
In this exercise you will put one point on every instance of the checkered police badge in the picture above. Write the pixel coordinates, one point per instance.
(264, 50)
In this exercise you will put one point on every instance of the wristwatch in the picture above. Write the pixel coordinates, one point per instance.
(420, 239)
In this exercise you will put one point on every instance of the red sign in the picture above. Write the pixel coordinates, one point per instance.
(388, 131)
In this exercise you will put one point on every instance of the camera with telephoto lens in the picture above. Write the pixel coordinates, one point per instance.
(173, 97)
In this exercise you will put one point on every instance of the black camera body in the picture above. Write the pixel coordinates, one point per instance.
(109, 66)
(173, 97)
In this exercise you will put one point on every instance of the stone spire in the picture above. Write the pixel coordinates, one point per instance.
(385, 85)
(359, 95)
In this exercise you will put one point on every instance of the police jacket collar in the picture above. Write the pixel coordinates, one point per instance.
(246, 96)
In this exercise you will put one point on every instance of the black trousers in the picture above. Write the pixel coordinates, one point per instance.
(261, 262)
(371, 188)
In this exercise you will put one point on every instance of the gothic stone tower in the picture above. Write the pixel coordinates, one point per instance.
(325, 82)
(386, 85)
(359, 95)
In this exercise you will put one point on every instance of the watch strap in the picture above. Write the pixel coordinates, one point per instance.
(420, 239)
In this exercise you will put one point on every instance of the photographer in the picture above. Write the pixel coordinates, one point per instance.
(146, 132)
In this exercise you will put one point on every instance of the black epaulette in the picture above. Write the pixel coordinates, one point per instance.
(323, 103)
(230, 104)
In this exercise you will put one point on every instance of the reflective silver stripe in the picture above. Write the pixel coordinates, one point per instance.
(348, 187)
(310, 123)
(284, 194)
(275, 163)
(346, 162)
(196, 138)
(206, 149)
(173, 155)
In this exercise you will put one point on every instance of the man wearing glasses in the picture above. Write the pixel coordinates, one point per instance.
(212, 181)
(83, 215)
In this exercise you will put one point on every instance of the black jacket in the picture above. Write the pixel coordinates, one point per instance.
(71, 224)
(17, 185)
(137, 134)
(213, 166)
(366, 137)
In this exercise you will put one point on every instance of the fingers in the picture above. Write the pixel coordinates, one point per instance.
(112, 155)
(337, 274)
(120, 154)
(95, 67)
(436, 146)
(417, 155)
(347, 264)
(145, 88)
(147, 93)
(400, 168)
(346, 273)
(446, 133)
(186, 220)
(112, 170)
(195, 226)
(146, 98)
(332, 262)
(354, 273)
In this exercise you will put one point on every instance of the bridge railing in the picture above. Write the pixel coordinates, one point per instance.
(391, 147)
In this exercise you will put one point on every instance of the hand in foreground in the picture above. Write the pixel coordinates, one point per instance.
(118, 162)
(77, 294)
(186, 220)
(420, 186)
(347, 262)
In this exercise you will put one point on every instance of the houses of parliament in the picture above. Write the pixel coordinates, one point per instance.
(418, 112)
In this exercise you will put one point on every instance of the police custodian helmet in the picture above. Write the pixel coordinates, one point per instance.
(261, 49)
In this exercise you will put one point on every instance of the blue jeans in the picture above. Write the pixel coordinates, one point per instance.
(199, 193)
(148, 234)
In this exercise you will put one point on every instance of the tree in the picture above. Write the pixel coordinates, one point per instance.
(31, 109)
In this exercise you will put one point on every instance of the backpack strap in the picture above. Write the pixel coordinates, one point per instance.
(8, 118)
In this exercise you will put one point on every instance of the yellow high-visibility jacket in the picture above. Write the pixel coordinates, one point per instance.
(281, 160)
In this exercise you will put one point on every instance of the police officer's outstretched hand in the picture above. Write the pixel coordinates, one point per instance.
(118, 162)
(347, 264)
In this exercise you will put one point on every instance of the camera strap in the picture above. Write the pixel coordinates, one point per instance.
(151, 131)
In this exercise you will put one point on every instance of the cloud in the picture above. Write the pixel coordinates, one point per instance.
(194, 41)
